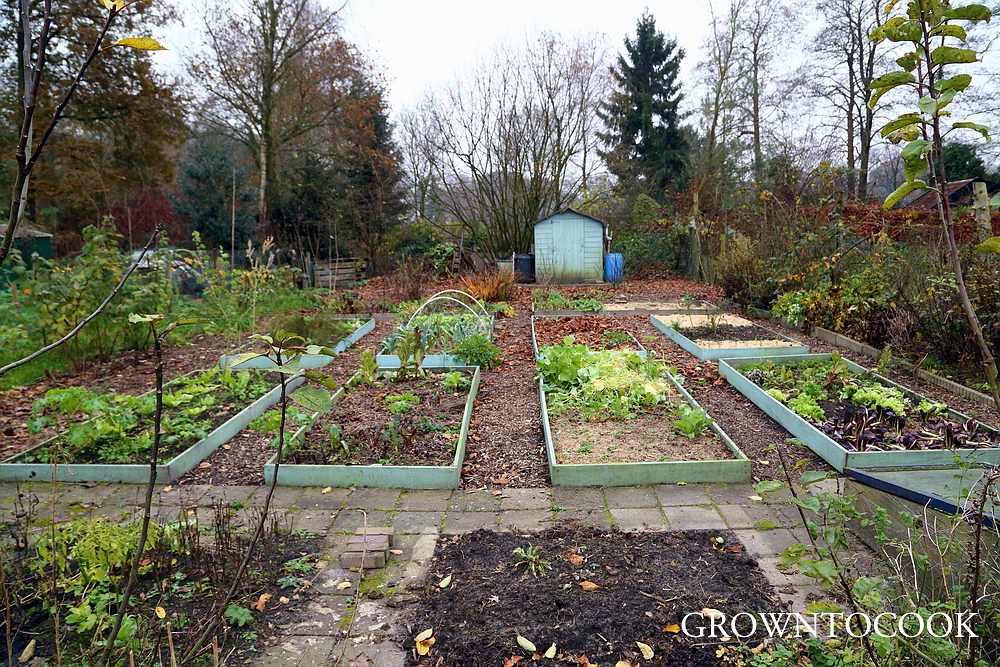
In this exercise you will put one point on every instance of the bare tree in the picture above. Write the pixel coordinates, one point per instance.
(509, 145)
(848, 63)
(420, 181)
(255, 74)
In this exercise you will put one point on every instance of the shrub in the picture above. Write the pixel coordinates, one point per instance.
(492, 286)
(744, 276)
(478, 350)
(652, 251)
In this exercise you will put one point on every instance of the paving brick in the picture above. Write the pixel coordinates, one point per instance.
(319, 617)
(693, 518)
(298, 652)
(368, 542)
(596, 518)
(315, 522)
(381, 654)
(414, 574)
(528, 521)
(526, 499)
(284, 496)
(764, 543)
(751, 516)
(639, 519)
(578, 497)
(417, 522)
(376, 499)
(423, 548)
(425, 500)
(476, 501)
(672, 495)
(369, 561)
(630, 497)
(730, 494)
(457, 523)
(315, 498)
(348, 520)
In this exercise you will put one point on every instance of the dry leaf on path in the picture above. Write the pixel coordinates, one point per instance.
(646, 650)
(589, 586)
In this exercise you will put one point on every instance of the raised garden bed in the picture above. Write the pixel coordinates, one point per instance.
(201, 412)
(612, 418)
(856, 419)
(383, 431)
(661, 307)
(594, 593)
(354, 329)
(595, 331)
(711, 336)
(442, 336)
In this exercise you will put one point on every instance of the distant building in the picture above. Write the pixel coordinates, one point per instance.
(959, 195)
(29, 240)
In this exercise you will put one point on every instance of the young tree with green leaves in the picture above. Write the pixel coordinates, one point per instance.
(642, 116)
(934, 37)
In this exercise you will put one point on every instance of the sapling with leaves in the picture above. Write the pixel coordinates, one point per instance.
(934, 34)
(284, 351)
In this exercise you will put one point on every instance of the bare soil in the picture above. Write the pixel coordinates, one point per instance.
(650, 437)
(729, 332)
(595, 331)
(645, 582)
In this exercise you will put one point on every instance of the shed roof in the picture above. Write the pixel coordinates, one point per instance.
(23, 231)
(570, 209)
(955, 190)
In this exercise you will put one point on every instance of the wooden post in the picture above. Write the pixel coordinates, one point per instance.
(981, 204)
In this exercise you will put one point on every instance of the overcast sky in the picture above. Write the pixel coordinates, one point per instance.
(425, 43)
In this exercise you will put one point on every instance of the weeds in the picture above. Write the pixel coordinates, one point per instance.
(530, 558)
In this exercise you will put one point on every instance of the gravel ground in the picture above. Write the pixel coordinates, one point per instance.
(505, 446)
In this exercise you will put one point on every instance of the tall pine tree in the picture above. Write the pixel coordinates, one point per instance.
(645, 146)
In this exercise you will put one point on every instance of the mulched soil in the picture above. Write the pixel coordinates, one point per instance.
(128, 373)
(364, 420)
(590, 330)
(646, 581)
(653, 289)
(748, 427)
(505, 446)
(241, 463)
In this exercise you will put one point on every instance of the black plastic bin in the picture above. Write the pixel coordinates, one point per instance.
(524, 268)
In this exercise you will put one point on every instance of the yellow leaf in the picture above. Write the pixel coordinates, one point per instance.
(708, 612)
(526, 644)
(141, 43)
(550, 652)
(673, 628)
(262, 601)
(114, 4)
(575, 559)
(646, 650)
(344, 585)
(283, 600)
(589, 586)
(623, 663)
(424, 635)
(444, 583)
(326, 489)
(424, 646)
(161, 613)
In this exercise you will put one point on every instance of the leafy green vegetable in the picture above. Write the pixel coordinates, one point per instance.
(692, 421)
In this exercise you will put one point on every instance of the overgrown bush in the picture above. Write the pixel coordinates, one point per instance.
(744, 275)
(652, 251)
(491, 286)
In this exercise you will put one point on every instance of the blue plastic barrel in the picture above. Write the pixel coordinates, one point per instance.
(614, 267)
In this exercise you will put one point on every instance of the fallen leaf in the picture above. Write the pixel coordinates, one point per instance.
(755, 498)
(161, 613)
(29, 652)
(550, 652)
(344, 585)
(444, 583)
(623, 663)
(682, 483)
(424, 645)
(396, 552)
(646, 650)
(526, 644)
(512, 660)
(589, 586)
(283, 600)
(227, 447)
(204, 465)
(326, 489)
(167, 489)
(673, 628)
(262, 601)
(708, 612)
(575, 559)
(426, 634)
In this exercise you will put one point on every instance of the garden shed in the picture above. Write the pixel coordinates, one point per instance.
(30, 240)
(569, 248)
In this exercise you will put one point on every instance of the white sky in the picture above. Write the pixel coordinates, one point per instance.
(423, 44)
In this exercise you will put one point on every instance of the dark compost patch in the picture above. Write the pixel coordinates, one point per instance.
(646, 581)
(727, 332)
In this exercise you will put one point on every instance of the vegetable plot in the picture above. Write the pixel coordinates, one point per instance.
(721, 335)
(854, 418)
(614, 417)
